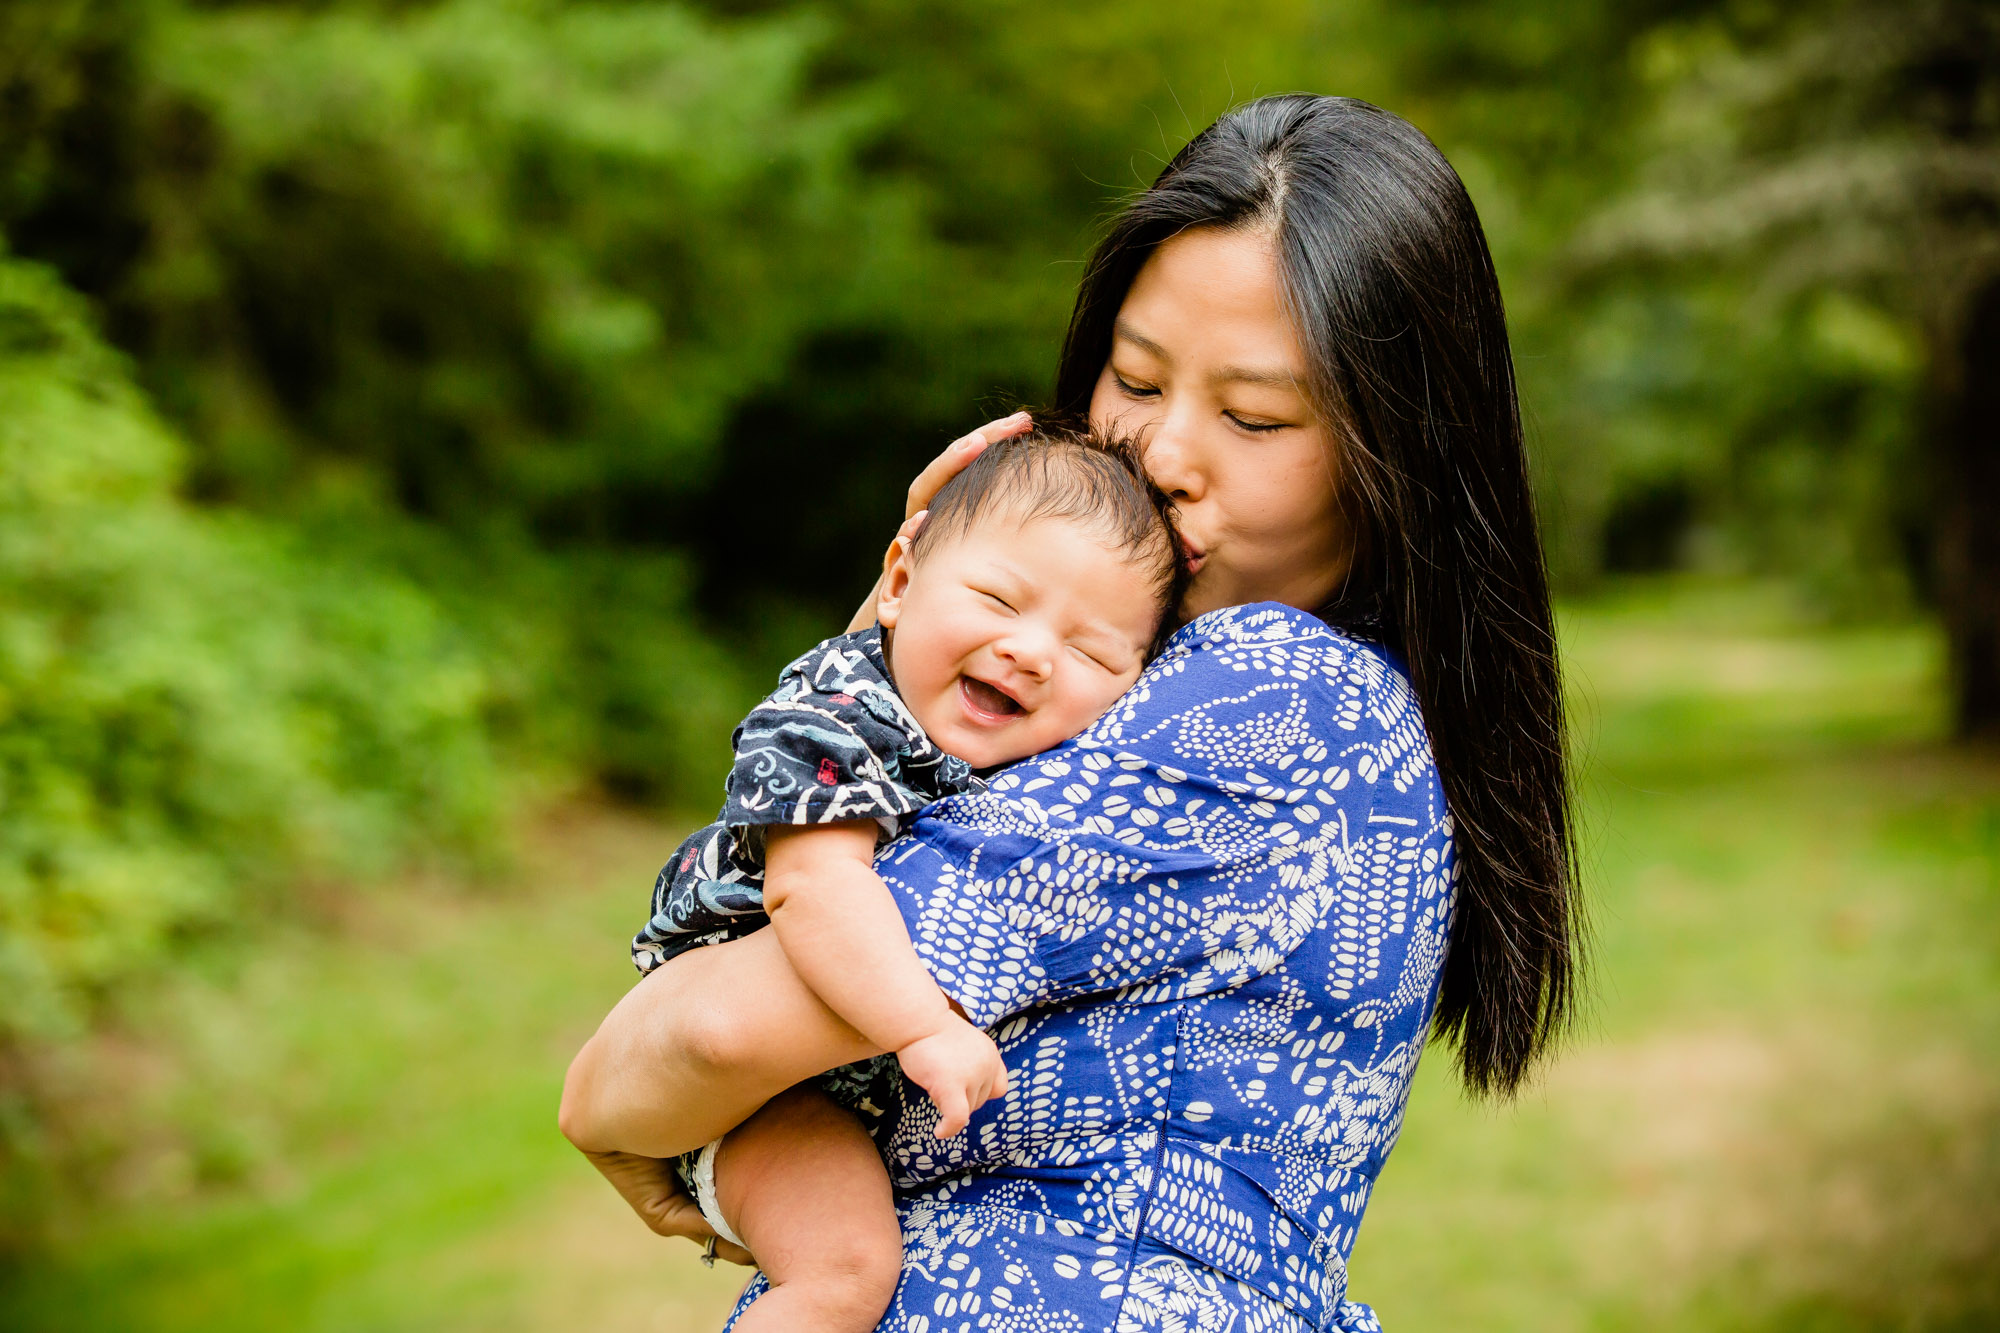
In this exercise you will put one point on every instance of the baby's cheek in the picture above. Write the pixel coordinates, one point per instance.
(1076, 718)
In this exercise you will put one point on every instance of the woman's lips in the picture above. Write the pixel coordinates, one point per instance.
(1193, 557)
(987, 703)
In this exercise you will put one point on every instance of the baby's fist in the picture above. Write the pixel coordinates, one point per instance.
(960, 1067)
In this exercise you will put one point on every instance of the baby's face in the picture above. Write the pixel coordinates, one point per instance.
(1012, 637)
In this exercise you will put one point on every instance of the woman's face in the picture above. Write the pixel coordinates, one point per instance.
(1205, 369)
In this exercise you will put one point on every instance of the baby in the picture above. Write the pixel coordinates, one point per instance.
(1029, 598)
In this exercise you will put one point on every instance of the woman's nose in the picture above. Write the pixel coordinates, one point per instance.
(1170, 459)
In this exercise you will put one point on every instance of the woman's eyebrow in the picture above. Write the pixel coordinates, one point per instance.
(1283, 379)
(1121, 329)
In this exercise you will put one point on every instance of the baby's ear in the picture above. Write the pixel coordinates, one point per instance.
(897, 565)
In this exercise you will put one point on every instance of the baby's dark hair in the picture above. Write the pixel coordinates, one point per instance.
(1085, 476)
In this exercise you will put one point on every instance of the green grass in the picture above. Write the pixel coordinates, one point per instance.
(1783, 1108)
(1781, 1114)
(362, 1126)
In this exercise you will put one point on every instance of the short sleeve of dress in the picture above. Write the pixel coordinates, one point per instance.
(1186, 842)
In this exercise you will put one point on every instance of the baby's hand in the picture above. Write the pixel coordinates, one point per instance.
(960, 1067)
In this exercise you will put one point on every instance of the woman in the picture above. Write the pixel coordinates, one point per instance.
(1212, 933)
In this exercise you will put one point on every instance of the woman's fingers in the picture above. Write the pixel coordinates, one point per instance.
(655, 1193)
(687, 1223)
(681, 1217)
(957, 454)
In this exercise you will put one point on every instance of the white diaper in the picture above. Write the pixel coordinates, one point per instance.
(703, 1186)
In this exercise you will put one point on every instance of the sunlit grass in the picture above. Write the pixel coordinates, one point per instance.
(387, 1082)
(1782, 1111)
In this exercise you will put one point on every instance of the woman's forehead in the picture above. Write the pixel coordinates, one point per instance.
(1213, 297)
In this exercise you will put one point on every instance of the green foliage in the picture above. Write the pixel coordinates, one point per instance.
(1780, 286)
(195, 709)
(588, 274)
(510, 385)
(494, 260)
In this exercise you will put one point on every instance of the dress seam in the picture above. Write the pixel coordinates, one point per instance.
(1153, 1184)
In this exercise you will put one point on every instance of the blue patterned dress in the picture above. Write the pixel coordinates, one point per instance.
(1207, 934)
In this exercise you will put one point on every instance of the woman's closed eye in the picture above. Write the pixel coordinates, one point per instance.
(1256, 425)
(1251, 423)
(1132, 390)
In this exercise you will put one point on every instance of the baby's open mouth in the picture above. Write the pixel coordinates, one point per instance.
(987, 699)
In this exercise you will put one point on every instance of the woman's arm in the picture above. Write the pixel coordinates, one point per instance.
(1173, 870)
(694, 1049)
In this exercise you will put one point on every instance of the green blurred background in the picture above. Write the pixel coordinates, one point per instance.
(425, 425)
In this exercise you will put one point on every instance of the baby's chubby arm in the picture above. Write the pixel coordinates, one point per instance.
(839, 928)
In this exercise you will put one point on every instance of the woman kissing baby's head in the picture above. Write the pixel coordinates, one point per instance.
(1031, 596)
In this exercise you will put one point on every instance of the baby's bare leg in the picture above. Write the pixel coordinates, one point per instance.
(802, 1184)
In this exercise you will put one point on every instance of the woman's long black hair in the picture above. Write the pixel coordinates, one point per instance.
(1391, 290)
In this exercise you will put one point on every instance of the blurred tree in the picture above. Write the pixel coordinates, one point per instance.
(1854, 147)
(590, 284)
(1536, 106)
(464, 290)
(498, 259)
(520, 267)
(193, 708)
(1009, 130)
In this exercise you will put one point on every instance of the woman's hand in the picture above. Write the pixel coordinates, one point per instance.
(932, 479)
(956, 455)
(656, 1195)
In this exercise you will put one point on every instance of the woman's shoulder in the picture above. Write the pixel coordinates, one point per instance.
(1269, 682)
(1278, 641)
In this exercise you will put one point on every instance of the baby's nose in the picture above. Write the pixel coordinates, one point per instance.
(1031, 653)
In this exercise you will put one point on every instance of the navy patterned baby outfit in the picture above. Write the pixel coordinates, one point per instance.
(833, 742)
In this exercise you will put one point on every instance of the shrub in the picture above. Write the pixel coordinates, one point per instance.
(195, 708)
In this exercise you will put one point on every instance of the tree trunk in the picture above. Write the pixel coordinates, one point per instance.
(1969, 515)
